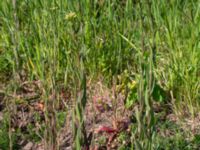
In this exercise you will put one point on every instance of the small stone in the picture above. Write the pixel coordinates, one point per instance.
(28, 146)
(124, 142)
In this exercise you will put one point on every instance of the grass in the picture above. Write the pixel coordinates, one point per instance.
(176, 138)
(149, 50)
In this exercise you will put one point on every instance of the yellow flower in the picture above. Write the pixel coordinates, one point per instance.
(70, 16)
(132, 85)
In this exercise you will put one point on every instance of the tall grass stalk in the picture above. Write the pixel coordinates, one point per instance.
(78, 124)
(144, 133)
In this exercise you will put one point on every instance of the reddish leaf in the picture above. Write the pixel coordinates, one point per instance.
(105, 129)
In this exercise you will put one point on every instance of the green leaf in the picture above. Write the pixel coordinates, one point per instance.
(132, 98)
(158, 93)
